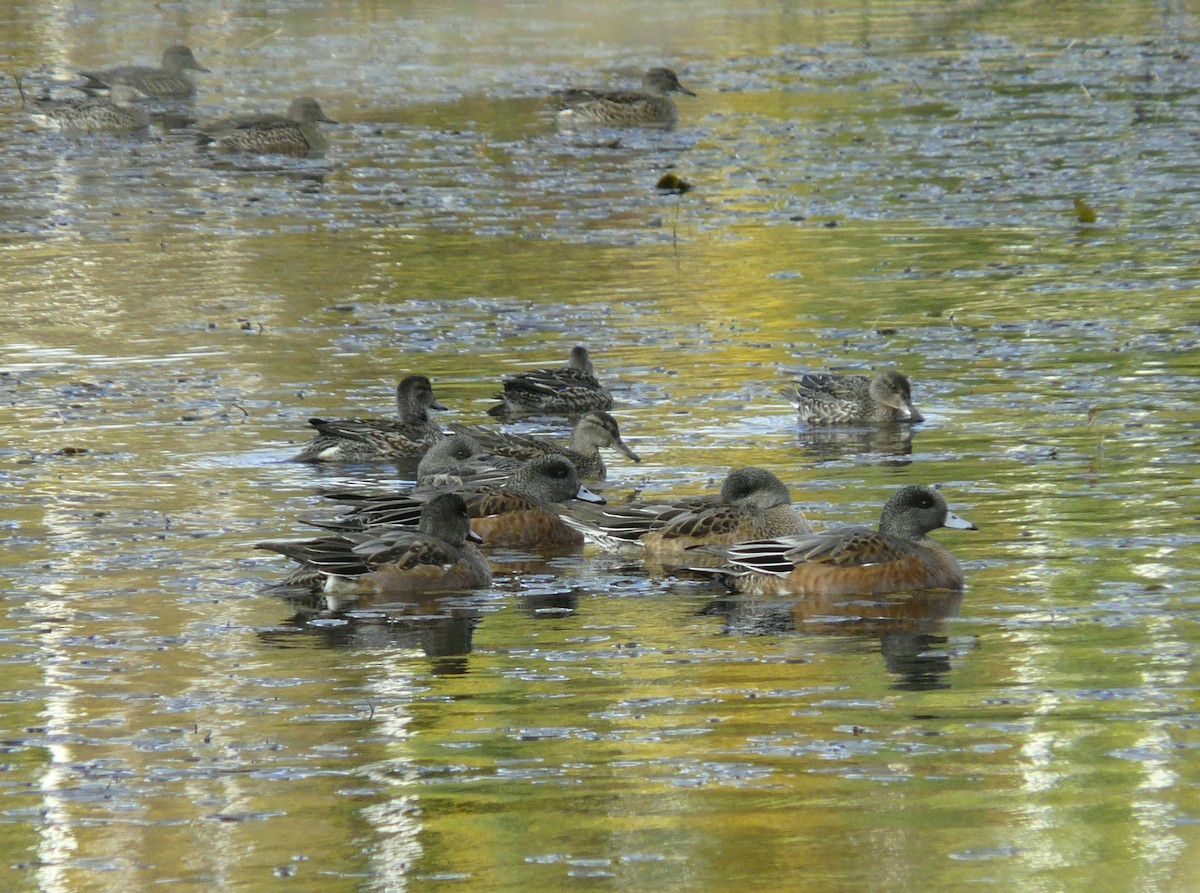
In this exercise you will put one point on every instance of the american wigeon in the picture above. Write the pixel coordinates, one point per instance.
(520, 513)
(898, 557)
(567, 390)
(394, 561)
(825, 399)
(366, 440)
(459, 462)
(753, 504)
(594, 430)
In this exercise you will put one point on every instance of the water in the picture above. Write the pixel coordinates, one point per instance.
(888, 184)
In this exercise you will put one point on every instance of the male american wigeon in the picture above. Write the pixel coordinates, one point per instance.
(594, 430)
(825, 399)
(753, 504)
(568, 390)
(898, 557)
(394, 561)
(366, 440)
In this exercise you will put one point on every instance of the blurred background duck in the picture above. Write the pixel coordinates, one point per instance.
(165, 82)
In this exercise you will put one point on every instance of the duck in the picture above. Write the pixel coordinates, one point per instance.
(825, 399)
(651, 106)
(568, 390)
(753, 504)
(116, 114)
(408, 436)
(520, 513)
(595, 429)
(294, 133)
(436, 556)
(165, 82)
(897, 557)
(458, 461)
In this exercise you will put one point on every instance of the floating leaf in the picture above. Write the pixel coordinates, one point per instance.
(1084, 212)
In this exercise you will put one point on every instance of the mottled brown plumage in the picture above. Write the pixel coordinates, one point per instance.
(753, 503)
(295, 133)
(521, 512)
(166, 82)
(595, 429)
(409, 435)
(898, 557)
(394, 561)
(567, 390)
(825, 399)
(649, 107)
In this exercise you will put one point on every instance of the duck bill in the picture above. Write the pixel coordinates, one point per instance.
(438, 405)
(474, 537)
(620, 445)
(587, 495)
(913, 415)
(953, 520)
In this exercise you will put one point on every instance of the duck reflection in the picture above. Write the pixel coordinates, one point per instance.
(439, 625)
(887, 444)
(907, 626)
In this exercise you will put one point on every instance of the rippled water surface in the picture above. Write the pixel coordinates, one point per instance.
(874, 184)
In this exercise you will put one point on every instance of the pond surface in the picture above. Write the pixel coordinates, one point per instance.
(875, 184)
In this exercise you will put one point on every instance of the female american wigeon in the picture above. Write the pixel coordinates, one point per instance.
(367, 440)
(295, 133)
(825, 399)
(167, 82)
(651, 106)
(569, 390)
(594, 430)
(459, 462)
(397, 561)
(898, 557)
(753, 504)
(521, 513)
